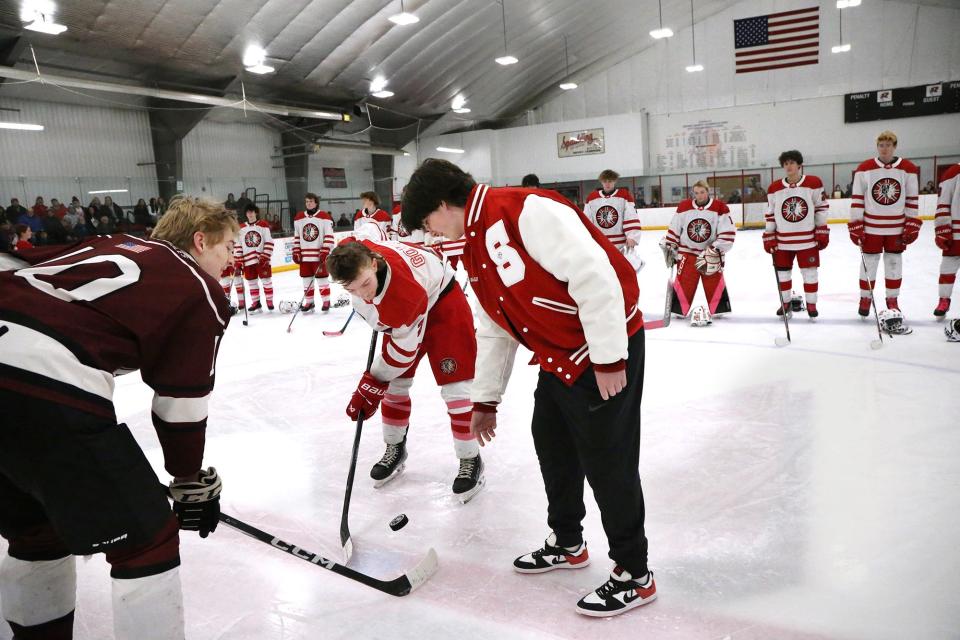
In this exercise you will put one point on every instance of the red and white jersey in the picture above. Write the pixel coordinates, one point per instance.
(380, 218)
(415, 279)
(546, 279)
(615, 215)
(255, 242)
(399, 233)
(794, 211)
(948, 202)
(84, 313)
(885, 195)
(313, 234)
(694, 228)
(448, 248)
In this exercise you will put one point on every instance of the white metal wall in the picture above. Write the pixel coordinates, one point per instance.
(221, 158)
(81, 149)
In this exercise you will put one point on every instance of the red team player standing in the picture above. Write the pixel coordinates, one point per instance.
(312, 243)
(947, 224)
(371, 221)
(796, 228)
(884, 217)
(613, 212)
(410, 295)
(253, 254)
(702, 225)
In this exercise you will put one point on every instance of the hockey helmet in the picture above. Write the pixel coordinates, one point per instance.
(796, 302)
(891, 321)
(700, 317)
(952, 330)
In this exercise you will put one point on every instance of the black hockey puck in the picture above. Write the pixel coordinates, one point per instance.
(399, 522)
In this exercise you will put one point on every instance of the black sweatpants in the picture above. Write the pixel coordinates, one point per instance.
(577, 435)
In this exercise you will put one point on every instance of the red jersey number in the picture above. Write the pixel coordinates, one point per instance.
(510, 265)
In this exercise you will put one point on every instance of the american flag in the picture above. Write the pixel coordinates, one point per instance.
(777, 40)
(129, 245)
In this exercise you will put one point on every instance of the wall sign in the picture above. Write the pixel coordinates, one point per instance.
(580, 143)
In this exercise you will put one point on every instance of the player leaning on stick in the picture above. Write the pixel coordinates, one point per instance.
(576, 309)
(796, 228)
(72, 480)
(883, 217)
(947, 235)
(256, 249)
(410, 295)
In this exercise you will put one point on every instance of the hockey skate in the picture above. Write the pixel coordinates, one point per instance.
(812, 310)
(864, 308)
(550, 557)
(269, 306)
(618, 594)
(469, 479)
(307, 307)
(942, 308)
(326, 306)
(391, 464)
(256, 307)
(892, 304)
(785, 307)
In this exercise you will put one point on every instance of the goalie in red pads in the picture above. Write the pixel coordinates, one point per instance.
(411, 296)
(700, 235)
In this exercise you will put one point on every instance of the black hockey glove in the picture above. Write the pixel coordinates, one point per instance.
(197, 504)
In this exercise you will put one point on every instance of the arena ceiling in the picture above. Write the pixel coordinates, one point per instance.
(326, 52)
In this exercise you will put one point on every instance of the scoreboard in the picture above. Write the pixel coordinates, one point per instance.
(905, 102)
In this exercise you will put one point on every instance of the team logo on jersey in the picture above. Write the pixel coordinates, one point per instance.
(310, 232)
(699, 230)
(252, 238)
(607, 217)
(794, 209)
(886, 191)
(448, 366)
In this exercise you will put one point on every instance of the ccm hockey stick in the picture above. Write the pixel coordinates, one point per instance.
(874, 344)
(779, 340)
(400, 586)
(334, 334)
(345, 516)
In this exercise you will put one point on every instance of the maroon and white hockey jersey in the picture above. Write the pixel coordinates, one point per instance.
(379, 218)
(948, 202)
(313, 234)
(84, 313)
(615, 215)
(694, 228)
(795, 211)
(885, 195)
(546, 279)
(415, 279)
(399, 233)
(255, 242)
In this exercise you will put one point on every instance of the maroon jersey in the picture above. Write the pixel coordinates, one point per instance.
(84, 313)
(549, 278)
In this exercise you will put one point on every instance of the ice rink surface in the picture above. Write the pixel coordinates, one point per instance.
(810, 491)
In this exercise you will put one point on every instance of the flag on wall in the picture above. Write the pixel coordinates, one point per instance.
(777, 40)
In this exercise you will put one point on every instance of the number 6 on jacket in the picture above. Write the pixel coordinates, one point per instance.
(510, 265)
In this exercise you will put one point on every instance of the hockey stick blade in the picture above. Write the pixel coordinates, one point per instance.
(399, 586)
(876, 344)
(334, 334)
(780, 341)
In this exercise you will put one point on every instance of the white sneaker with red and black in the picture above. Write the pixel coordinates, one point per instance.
(618, 594)
(550, 557)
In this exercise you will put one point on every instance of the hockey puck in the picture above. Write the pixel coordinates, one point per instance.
(399, 522)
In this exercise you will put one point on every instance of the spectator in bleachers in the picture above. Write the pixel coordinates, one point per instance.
(53, 229)
(74, 221)
(58, 209)
(154, 209)
(231, 203)
(141, 214)
(275, 225)
(734, 197)
(6, 234)
(30, 219)
(530, 181)
(929, 188)
(343, 222)
(837, 192)
(15, 210)
(106, 226)
(24, 233)
(39, 208)
(161, 206)
(115, 211)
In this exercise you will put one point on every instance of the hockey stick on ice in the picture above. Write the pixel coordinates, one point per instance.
(304, 297)
(874, 344)
(400, 586)
(246, 314)
(334, 334)
(781, 342)
(345, 516)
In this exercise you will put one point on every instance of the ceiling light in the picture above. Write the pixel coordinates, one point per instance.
(846, 4)
(450, 150)
(261, 69)
(458, 103)
(378, 84)
(253, 60)
(840, 48)
(567, 86)
(693, 68)
(462, 110)
(109, 191)
(20, 126)
(663, 32)
(507, 60)
(382, 94)
(43, 26)
(403, 18)
(406, 154)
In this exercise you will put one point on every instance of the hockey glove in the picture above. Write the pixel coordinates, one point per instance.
(669, 252)
(944, 238)
(769, 242)
(197, 504)
(855, 229)
(823, 237)
(238, 267)
(297, 256)
(323, 259)
(911, 230)
(264, 262)
(366, 398)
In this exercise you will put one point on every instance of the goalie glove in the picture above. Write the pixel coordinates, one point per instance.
(669, 252)
(197, 504)
(709, 262)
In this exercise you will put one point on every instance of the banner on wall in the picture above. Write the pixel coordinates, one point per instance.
(580, 143)
(334, 178)
(707, 144)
